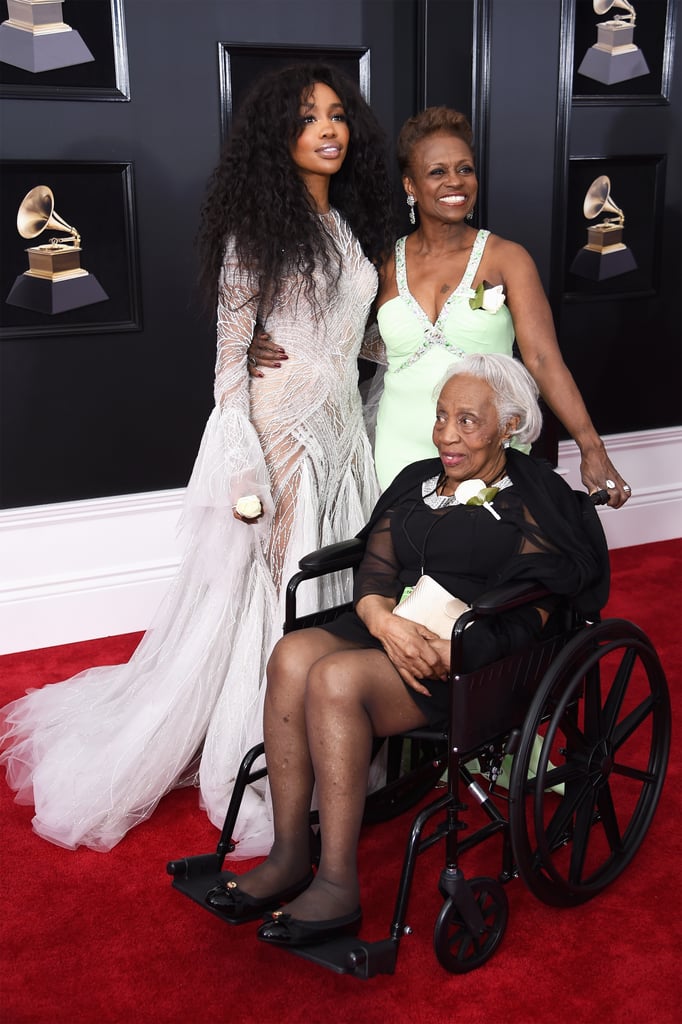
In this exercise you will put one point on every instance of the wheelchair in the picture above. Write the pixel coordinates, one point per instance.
(586, 716)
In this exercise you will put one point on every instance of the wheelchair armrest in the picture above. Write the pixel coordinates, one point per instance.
(508, 596)
(344, 555)
(495, 601)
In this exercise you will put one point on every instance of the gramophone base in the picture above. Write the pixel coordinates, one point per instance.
(45, 296)
(598, 266)
(35, 53)
(610, 68)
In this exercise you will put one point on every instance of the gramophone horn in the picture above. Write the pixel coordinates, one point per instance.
(36, 214)
(602, 6)
(598, 200)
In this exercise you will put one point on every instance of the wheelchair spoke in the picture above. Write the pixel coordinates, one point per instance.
(560, 774)
(556, 776)
(607, 812)
(573, 733)
(583, 825)
(648, 778)
(560, 824)
(593, 705)
(625, 729)
(614, 701)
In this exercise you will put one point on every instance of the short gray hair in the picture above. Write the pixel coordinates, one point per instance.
(515, 391)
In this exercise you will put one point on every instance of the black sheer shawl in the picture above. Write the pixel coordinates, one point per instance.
(562, 543)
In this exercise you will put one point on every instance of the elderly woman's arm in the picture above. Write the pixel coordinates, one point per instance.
(536, 337)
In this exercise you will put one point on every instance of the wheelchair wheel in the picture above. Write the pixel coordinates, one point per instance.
(591, 762)
(457, 948)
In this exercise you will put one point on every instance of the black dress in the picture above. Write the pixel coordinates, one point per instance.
(462, 548)
(546, 532)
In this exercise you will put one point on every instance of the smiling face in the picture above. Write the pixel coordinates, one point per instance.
(442, 177)
(321, 147)
(467, 433)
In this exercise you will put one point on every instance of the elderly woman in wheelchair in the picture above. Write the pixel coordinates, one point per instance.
(332, 689)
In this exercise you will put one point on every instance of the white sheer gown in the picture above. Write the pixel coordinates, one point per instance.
(94, 754)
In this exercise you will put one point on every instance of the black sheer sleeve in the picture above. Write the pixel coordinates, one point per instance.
(379, 569)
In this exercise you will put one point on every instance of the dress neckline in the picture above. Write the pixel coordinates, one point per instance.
(463, 288)
(437, 501)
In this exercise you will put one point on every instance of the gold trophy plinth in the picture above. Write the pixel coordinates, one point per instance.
(55, 262)
(605, 255)
(36, 38)
(605, 237)
(55, 281)
(614, 57)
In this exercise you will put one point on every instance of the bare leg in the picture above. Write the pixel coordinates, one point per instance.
(351, 696)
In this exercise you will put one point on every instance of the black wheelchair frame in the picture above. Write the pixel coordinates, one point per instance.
(586, 716)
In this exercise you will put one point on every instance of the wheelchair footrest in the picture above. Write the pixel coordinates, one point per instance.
(195, 867)
(194, 876)
(352, 955)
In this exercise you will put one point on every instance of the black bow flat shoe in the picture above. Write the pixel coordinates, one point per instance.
(238, 907)
(282, 929)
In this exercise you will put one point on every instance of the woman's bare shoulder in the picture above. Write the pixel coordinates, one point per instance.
(504, 248)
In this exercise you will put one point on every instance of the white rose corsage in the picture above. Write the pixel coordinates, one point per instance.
(249, 507)
(488, 297)
(476, 492)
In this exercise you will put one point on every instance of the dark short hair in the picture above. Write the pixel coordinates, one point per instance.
(428, 122)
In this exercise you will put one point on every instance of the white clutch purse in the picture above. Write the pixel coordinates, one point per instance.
(432, 606)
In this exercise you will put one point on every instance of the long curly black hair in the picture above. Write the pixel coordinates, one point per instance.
(257, 197)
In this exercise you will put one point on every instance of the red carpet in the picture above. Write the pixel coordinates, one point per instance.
(103, 938)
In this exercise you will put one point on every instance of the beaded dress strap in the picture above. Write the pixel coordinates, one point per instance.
(462, 288)
(433, 333)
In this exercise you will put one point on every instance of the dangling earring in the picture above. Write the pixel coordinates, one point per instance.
(411, 201)
(470, 215)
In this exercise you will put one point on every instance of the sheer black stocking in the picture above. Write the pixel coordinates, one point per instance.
(326, 698)
(351, 695)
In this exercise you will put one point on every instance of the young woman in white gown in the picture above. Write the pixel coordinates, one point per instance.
(295, 221)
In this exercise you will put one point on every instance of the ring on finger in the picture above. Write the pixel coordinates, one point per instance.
(252, 360)
(610, 484)
(626, 487)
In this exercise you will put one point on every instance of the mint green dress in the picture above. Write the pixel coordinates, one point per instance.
(419, 352)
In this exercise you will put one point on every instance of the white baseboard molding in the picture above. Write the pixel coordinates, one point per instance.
(87, 569)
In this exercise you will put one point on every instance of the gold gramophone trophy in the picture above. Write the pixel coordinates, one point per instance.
(614, 57)
(35, 37)
(55, 280)
(605, 254)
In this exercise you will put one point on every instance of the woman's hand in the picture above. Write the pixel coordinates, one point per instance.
(263, 352)
(243, 519)
(598, 473)
(409, 645)
(248, 509)
(442, 649)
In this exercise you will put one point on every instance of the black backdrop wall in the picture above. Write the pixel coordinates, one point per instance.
(121, 409)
